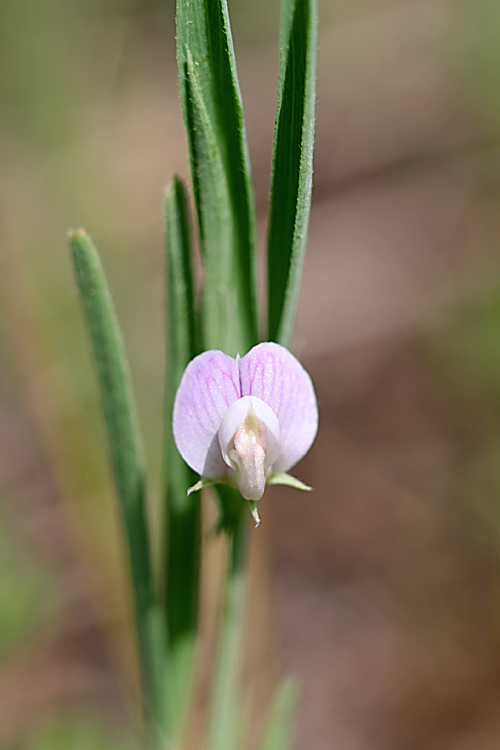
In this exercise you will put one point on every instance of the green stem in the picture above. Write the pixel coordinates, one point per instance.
(226, 704)
(182, 512)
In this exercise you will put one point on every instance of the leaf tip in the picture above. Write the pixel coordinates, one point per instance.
(74, 234)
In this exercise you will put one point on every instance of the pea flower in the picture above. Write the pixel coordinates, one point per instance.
(245, 421)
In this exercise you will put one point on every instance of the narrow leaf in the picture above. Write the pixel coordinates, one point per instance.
(277, 735)
(123, 434)
(221, 329)
(291, 182)
(214, 121)
(182, 513)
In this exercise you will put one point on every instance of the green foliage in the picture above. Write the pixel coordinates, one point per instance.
(123, 436)
(225, 319)
(226, 708)
(183, 513)
(220, 171)
(291, 183)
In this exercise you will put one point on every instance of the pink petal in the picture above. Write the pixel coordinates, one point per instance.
(209, 386)
(272, 374)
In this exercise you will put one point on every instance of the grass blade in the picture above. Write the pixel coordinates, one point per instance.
(221, 324)
(123, 436)
(183, 513)
(291, 182)
(220, 170)
(277, 735)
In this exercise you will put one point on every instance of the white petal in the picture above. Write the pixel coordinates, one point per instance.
(271, 373)
(209, 386)
(249, 438)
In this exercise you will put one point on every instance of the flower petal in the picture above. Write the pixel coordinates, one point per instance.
(272, 374)
(209, 386)
(234, 418)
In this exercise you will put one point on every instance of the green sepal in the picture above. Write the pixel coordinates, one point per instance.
(200, 485)
(289, 481)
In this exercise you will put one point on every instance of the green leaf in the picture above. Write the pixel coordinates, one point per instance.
(277, 735)
(220, 171)
(182, 513)
(123, 435)
(291, 182)
(183, 335)
(221, 329)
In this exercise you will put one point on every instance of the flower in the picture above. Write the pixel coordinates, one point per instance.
(247, 420)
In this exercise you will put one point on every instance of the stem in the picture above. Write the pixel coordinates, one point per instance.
(182, 540)
(182, 566)
(226, 704)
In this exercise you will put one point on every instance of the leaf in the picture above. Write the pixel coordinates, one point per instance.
(291, 181)
(220, 171)
(221, 329)
(182, 513)
(277, 735)
(183, 333)
(123, 434)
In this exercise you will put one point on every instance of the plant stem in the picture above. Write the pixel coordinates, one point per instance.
(182, 540)
(226, 704)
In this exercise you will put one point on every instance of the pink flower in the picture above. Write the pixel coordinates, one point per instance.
(247, 420)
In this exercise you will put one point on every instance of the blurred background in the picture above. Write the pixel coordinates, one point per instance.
(385, 582)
